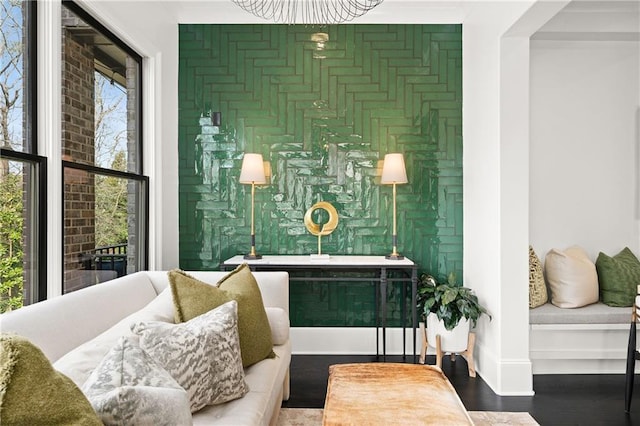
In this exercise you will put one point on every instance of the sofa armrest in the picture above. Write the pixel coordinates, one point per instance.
(279, 323)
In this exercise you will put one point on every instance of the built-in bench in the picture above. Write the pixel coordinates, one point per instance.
(588, 340)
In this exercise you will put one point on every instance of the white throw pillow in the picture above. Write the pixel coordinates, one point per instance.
(572, 278)
(202, 354)
(129, 387)
(279, 323)
(81, 361)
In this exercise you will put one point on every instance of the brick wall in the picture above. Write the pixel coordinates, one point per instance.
(77, 146)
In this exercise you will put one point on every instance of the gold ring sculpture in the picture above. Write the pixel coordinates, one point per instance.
(326, 228)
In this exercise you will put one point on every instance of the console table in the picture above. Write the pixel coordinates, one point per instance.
(346, 264)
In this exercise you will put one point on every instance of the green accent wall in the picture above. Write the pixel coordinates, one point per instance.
(324, 115)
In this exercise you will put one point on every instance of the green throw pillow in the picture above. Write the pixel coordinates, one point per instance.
(33, 393)
(618, 277)
(192, 297)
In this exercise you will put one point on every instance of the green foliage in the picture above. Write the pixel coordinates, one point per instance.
(111, 206)
(449, 301)
(11, 248)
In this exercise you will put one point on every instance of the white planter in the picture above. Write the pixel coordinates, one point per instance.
(455, 341)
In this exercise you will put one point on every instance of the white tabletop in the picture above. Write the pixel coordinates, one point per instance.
(307, 260)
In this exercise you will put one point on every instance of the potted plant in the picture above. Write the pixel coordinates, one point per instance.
(448, 310)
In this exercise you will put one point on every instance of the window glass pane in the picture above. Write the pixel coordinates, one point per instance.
(18, 259)
(13, 78)
(104, 189)
(99, 97)
(101, 227)
(19, 167)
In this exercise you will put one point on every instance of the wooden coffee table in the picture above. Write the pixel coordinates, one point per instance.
(391, 394)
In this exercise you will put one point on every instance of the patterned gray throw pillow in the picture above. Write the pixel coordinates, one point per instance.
(202, 354)
(129, 387)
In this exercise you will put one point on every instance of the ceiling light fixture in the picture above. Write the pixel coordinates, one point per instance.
(310, 12)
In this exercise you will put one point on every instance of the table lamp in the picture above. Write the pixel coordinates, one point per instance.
(393, 173)
(252, 173)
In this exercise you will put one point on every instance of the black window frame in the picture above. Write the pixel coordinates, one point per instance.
(139, 176)
(29, 154)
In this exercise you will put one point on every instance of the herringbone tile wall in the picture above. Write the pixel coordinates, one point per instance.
(323, 114)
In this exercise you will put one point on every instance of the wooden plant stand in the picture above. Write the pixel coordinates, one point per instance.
(467, 353)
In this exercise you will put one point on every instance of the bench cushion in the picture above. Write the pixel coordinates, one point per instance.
(597, 313)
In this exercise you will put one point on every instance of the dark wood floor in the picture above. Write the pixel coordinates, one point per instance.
(558, 399)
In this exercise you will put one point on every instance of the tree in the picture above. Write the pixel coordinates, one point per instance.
(110, 140)
(110, 147)
(11, 76)
(11, 185)
(111, 206)
(11, 248)
(110, 121)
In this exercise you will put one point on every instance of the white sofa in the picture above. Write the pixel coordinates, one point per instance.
(76, 330)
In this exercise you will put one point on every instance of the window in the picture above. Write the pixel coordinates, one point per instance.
(105, 193)
(22, 171)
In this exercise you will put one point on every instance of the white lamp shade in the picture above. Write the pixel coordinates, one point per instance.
(252, 169)
(393, 170)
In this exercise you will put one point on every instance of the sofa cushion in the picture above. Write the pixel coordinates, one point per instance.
(129, 387)
(265, 380)
(193, 297)
(113, 300)
(572, 277)
(78, 363)
(619, 277)
(32, 392)
(202, 354)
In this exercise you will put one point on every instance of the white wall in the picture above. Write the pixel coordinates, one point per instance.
(584, 152)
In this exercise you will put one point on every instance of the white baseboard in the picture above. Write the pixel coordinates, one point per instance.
(506, 377)
(516, 374)
(350, 341)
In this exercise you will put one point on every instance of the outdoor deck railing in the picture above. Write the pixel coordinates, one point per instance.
(111, 258)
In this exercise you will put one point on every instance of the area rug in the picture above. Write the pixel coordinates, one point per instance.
(313, 417)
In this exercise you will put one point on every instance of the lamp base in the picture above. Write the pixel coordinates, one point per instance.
(252, 256)
(394, 257)
(319, 256)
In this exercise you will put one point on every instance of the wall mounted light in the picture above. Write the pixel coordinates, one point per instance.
(252, 172)
(216, 118)
(393, 173)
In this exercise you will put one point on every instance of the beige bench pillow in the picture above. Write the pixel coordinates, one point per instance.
(572, 277)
